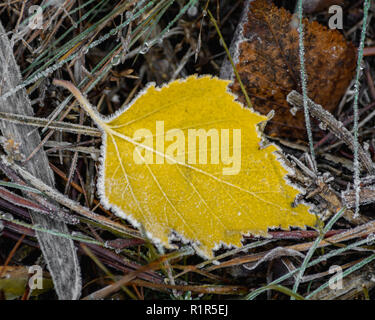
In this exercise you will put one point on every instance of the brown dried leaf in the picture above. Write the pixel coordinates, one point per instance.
(268, 64)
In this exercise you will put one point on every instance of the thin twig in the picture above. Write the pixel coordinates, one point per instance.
(304, 82)
(335, 126)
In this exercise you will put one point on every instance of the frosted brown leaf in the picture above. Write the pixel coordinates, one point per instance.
(268, 64)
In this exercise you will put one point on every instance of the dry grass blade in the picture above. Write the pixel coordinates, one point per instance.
(59, 253)
(358, 232)
(65, 201)
(102, 293)
(55, 125)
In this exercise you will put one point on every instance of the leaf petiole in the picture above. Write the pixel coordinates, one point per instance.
(84, 103)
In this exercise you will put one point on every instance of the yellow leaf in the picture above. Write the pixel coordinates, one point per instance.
(185, 160)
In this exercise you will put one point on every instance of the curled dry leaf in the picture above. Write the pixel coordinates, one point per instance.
(267, 59)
